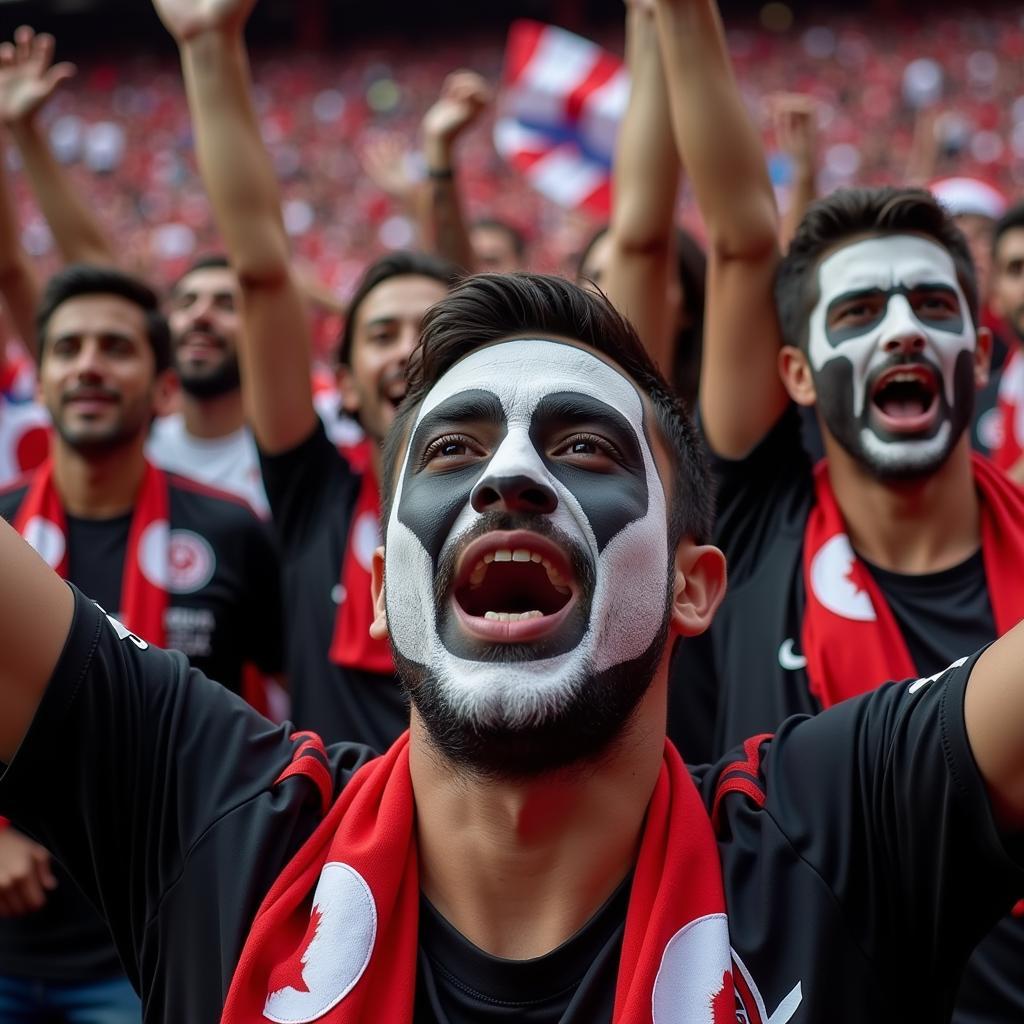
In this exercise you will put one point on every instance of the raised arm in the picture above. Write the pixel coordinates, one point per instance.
(28, 78)
(35, 615)
(19, 283)
(994, 712)
(646, 179)
(464, 96)
(239, 178)
(741, 392)
(796, 133)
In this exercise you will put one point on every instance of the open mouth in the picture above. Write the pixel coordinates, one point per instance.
(905, 399)
(513, 586)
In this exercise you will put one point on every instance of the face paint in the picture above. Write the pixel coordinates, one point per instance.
(596, 524)
(891, 347)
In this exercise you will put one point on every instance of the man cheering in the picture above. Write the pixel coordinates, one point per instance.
(532, 845)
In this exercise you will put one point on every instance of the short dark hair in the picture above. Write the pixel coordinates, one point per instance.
(1012, 220)
(89, 279)
(403, 263)
(515, 236)
(850, 212)
(208, 261)
(489, 307)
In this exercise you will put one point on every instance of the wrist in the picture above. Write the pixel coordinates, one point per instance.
(437, 154)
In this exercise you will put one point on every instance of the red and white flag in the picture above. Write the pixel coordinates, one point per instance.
(562, 100)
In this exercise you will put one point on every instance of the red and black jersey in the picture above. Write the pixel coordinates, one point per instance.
(747, 674)
(313, 493)
(224, 610)
(859, 855)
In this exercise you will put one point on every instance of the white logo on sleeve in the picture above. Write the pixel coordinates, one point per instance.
(788, 658)
(921, 683)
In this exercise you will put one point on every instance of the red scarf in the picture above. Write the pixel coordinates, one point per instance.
(342, 964)
(1011, 413)
(352, 646)
(850, 637)
(40, 520)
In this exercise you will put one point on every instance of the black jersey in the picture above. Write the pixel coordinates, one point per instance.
(313, 492)
(855, 887)
(747, 673)
(224, 609)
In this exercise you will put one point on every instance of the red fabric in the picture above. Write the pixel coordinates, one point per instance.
(848, 655)
(370, 828)
(1011, 413)
(352, 646)
(143, 602)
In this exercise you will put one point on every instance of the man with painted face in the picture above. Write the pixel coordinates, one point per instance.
(899, 552)
(532, 848)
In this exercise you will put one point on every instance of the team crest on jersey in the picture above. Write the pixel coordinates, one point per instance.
(178, 561)
(693, 981)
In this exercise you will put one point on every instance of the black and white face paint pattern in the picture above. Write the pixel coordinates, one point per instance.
(888, 273)
(615, 521)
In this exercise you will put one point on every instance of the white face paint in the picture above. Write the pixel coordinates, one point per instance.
(630, 559)
(884, 300)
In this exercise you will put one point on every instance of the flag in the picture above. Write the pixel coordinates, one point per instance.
(561, 103)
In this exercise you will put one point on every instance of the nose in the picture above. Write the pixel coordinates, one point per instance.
(89, 362)
(518, 493)
(904, 335)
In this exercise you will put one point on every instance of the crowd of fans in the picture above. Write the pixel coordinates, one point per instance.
(304, 460)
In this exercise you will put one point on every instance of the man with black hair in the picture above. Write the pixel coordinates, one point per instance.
(532, 847)
(901, 551)
(324, 506)
(185, 567)
(1008, 303)
(209, 439)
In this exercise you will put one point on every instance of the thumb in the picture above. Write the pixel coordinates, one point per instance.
(58, 74)
(43, 869)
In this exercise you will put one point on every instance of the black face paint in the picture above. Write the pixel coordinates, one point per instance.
(838, 334)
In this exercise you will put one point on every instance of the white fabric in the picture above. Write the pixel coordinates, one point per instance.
(17, 420)
(228, 463)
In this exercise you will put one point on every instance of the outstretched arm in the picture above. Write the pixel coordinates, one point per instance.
(35, 615)
(796, 133)
(741, 392)
(19, 283)
(239, 178)
(994, 712)
(464, 96)
(645, 181)
(28, 78)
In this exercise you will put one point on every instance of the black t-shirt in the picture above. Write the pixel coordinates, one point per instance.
(223, 614)
(746, 674)
(313, 492)
(857, 887)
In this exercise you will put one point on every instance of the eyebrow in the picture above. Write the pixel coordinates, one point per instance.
(475, 406)
(900, 289)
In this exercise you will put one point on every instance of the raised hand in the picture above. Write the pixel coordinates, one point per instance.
(28, 78)
(464, 96)
(25, 874)
(385, 160)
(795, 119)
(185, 19)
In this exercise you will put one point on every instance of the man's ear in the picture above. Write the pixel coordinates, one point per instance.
(346, 388)
(698, 588)
(795, 371)
(379, 626)
(982, 357)
(166, 393)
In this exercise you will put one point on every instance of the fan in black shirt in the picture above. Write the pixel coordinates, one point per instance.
(857, 855)
(102, 373)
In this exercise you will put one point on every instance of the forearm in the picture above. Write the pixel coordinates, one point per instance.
(803, 193)
(442, 224)
(35, 616)
(19, 283)
(645, 177)
(239, 178)
(718, 144)
(76, 231)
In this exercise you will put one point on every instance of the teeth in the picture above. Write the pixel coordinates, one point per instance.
(513, 616)
(520, 555)
(556, 579)
(478, 574)
(534, 557)
(503, 555)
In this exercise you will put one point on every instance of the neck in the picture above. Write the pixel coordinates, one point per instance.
(98, 486)
(210, 418)
(520, 866)
(915, 526)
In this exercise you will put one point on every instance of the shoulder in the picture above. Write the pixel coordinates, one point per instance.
(201, 499)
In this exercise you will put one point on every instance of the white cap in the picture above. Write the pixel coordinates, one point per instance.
(962, 196)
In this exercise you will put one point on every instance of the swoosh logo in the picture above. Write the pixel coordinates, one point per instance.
(788, 658)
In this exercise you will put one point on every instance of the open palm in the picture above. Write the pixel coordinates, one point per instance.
(187, 18)
(27, 77)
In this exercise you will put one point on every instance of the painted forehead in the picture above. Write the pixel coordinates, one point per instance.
(886, 262)
(522, 371)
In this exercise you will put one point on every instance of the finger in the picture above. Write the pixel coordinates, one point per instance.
(42, 49)
(23, 37)
(6, 54)
(57, 74)
(32, 893)
(44, 870)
